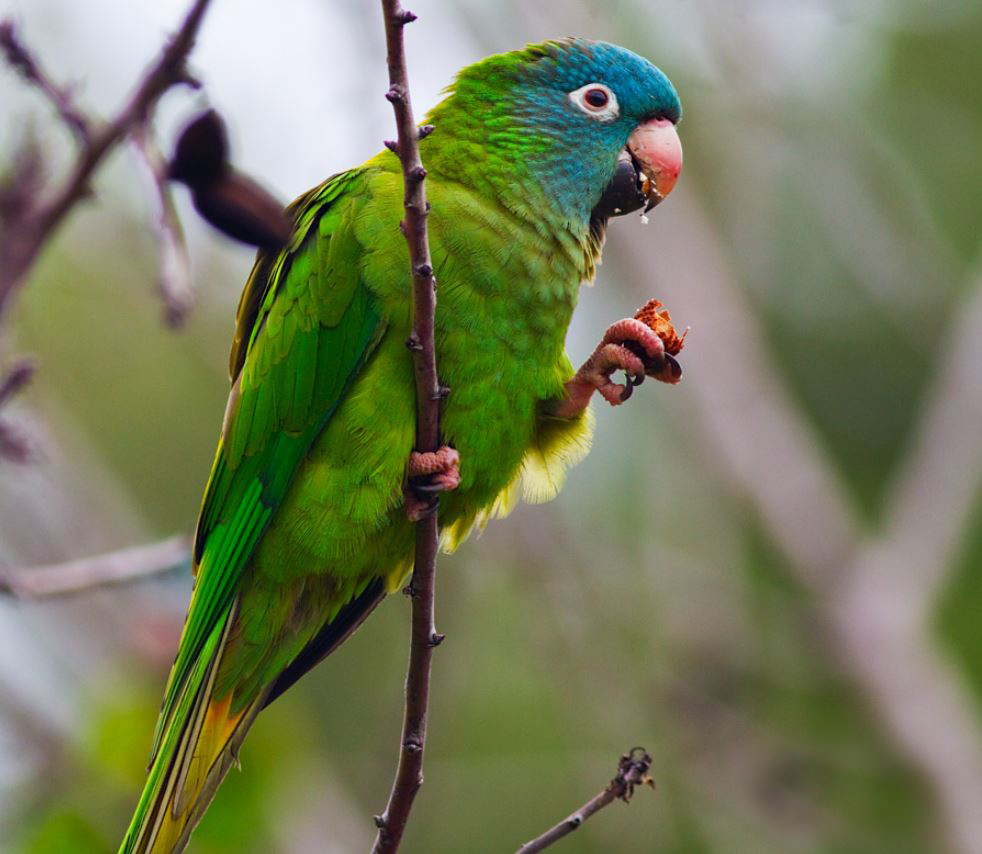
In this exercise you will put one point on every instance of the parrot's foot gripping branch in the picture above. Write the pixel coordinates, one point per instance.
(428, 474)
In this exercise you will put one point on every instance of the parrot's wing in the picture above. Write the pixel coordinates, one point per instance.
(332, 634)
(306, 326)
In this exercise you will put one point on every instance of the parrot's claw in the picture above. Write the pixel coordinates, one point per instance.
(429, 473)
(418, 508)
(628, 345)
(633, 381)
(428, 488)
(612, 356)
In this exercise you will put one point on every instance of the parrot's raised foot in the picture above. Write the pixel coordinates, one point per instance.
(628, 345)
(429, 473)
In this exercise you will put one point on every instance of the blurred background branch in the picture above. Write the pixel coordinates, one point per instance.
(30, 225)
(24, 63)
(82, 575)
(883, 610)
(174, 279)
(874, 591)
(14, 446)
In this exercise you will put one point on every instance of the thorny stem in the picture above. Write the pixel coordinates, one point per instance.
(409, 774)
(632, 770)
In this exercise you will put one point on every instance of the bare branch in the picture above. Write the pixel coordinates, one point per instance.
(174, 278)
(409, 774)
(79, 576)
(14, 446)
(16, 379)
(24, 62)
(24, 237)
(883, 614)
(632, 770)
(936, 487)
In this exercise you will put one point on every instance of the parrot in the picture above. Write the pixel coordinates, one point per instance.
(307, 519)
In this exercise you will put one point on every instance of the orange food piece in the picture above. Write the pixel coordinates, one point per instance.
(654, 315)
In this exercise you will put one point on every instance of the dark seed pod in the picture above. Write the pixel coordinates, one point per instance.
(233, 203)
(201, 153)
(243, 210)
(623, 194)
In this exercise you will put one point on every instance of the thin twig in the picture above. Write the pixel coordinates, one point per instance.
(23, 61)
(78, 576)
(16, 379)
(14, 446)
(23, 239)
(632, 770)
(409, 775)
(174, 278)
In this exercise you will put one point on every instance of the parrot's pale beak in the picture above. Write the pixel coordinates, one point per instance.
(657, 150)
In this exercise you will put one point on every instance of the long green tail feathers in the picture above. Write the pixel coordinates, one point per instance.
(198, 744)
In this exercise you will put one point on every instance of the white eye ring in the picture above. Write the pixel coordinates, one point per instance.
(590, 100)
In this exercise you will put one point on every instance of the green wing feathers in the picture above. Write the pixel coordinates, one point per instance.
(306, 326)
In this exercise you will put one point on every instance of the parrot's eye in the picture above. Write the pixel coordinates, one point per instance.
(596, 98)
(597, 101)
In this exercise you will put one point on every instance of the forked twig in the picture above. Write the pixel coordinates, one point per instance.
(632, 770)
(23, 236)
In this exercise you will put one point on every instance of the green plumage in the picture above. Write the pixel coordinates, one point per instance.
(304, 512)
